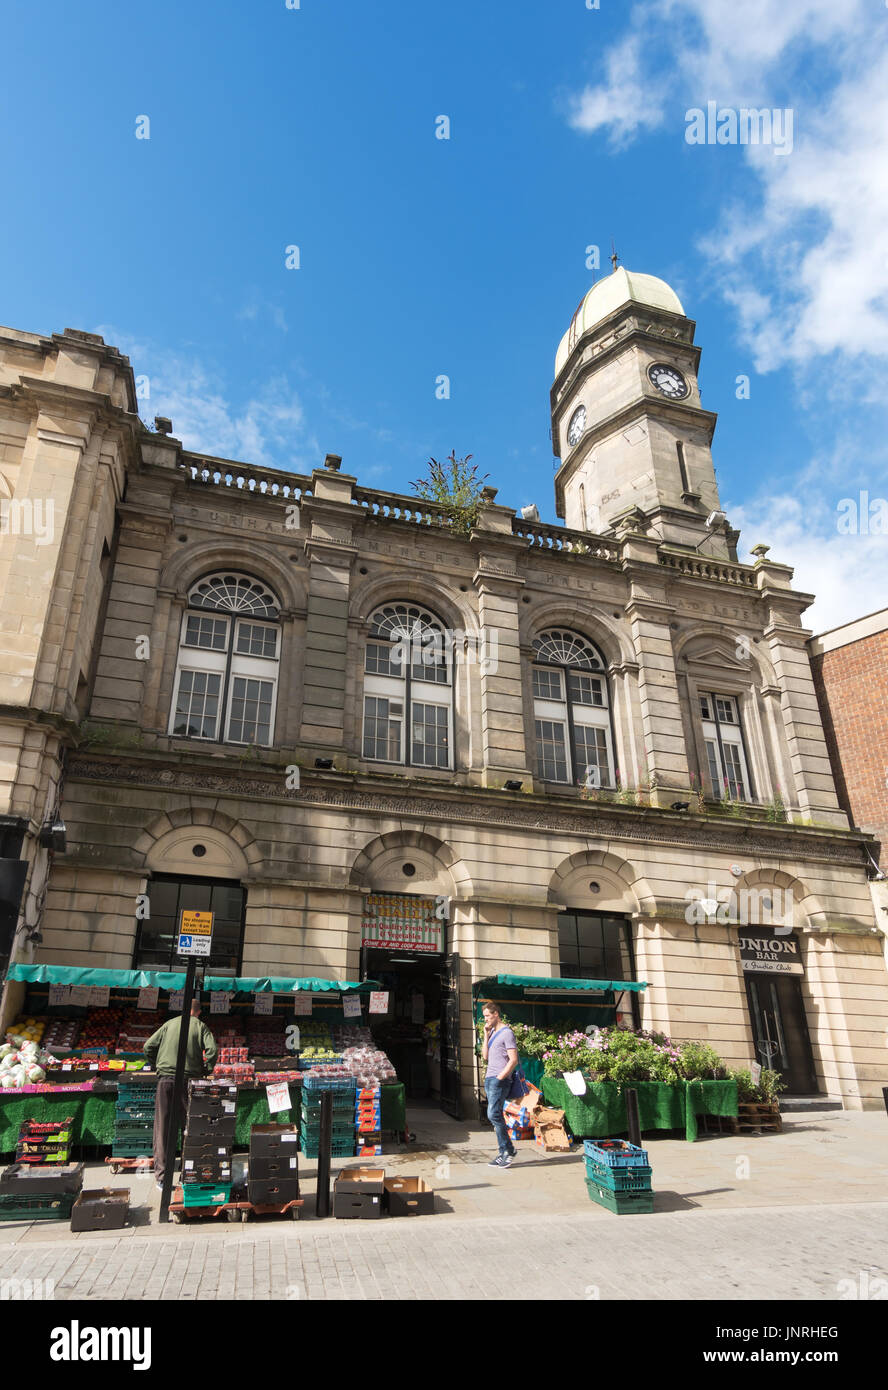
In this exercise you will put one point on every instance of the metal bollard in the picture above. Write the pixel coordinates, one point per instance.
(325, 1144)
(632, 1123)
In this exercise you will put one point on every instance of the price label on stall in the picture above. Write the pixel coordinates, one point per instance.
(263, 1002)
(302, 1004)
(379, 1001)
(99, 996)
(351, 1006)
(148, 997)
(278, 1093)
(59, 994)
(755, 1071)
(80, 996)
(220, 1001)
(174, 1003)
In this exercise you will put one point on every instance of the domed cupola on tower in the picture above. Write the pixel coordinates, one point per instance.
(628, 425)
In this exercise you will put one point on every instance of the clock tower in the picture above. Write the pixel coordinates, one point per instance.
(628, 426)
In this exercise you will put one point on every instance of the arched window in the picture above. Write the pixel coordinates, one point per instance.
(571, 710)
(227, 669)
(408, 697)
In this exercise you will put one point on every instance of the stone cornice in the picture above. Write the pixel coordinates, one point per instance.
(466, 805)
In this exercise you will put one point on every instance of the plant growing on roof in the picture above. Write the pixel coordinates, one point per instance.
(455, 487)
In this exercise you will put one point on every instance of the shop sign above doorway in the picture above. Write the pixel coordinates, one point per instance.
(403, 922)
(769, 953)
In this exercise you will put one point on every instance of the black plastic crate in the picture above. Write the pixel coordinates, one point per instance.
(272, 1191)
(278, 1166)
(37, 1180)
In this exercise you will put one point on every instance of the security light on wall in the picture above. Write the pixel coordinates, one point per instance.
(530, 513)
(324, 763)
(512, 786)
(715, 519)
(53, 835)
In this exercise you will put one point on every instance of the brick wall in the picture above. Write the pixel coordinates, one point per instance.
(852, 689)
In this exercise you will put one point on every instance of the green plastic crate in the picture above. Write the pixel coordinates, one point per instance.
(622, 1203)
(340, 1148)
(619, 1179)
(14, 1207)
(205, 1194)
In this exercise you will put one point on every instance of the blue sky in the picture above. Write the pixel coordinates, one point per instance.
(466, 257)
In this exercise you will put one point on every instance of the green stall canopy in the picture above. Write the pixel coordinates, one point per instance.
(533, 983)
(279, 985)
(80, 975)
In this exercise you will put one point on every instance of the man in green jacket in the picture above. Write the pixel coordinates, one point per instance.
(162, 1050)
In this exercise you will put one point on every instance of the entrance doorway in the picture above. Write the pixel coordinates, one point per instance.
(420, 1030)
(780, 1030)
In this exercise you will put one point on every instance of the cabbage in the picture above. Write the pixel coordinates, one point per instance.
(35, 1074)
(7, 1081)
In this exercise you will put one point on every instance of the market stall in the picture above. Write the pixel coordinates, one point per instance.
(555, 1004)
(558, 1018)
(266, 1030)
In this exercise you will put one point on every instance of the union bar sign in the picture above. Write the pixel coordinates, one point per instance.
(764, 952)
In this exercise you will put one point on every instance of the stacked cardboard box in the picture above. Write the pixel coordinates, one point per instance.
(549, 1130)
(368, 1121)
(358, 1193)
(274, 1164)
(209, 1136)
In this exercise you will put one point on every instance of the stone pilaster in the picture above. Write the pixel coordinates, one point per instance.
(330, 551)
(650, 614)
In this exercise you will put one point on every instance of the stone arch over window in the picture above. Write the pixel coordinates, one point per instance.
(572, 709)
(226, 678)
(733, 717)
(171, 838)
(380, 865)
(617, 885)
(771, 897)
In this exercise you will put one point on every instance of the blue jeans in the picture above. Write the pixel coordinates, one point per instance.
(497, 1093)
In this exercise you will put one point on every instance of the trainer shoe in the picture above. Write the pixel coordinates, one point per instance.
(496, 1162)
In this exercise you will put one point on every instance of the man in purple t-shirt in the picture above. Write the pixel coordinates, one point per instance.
(500, 1051)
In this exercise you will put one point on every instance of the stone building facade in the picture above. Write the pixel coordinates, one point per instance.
(611, 756)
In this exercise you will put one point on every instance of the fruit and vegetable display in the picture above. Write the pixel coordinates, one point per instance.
(22, 1065)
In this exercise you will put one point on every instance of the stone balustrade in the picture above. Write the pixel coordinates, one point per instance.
(242, 478)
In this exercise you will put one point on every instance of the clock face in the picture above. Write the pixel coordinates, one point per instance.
(669, 381)
(577, 426)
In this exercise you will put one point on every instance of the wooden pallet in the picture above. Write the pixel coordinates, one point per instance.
(758, 1116)
(234, 1211)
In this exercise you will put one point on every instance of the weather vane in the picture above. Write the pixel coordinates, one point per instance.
(614, 258)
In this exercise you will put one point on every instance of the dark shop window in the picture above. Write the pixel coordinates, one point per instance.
(157, 934)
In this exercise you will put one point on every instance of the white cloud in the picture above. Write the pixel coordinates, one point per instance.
(267, 429)
(625, 103)
(847, 573)
(804, 261)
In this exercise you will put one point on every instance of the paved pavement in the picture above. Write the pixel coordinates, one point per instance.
(800, 1215)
